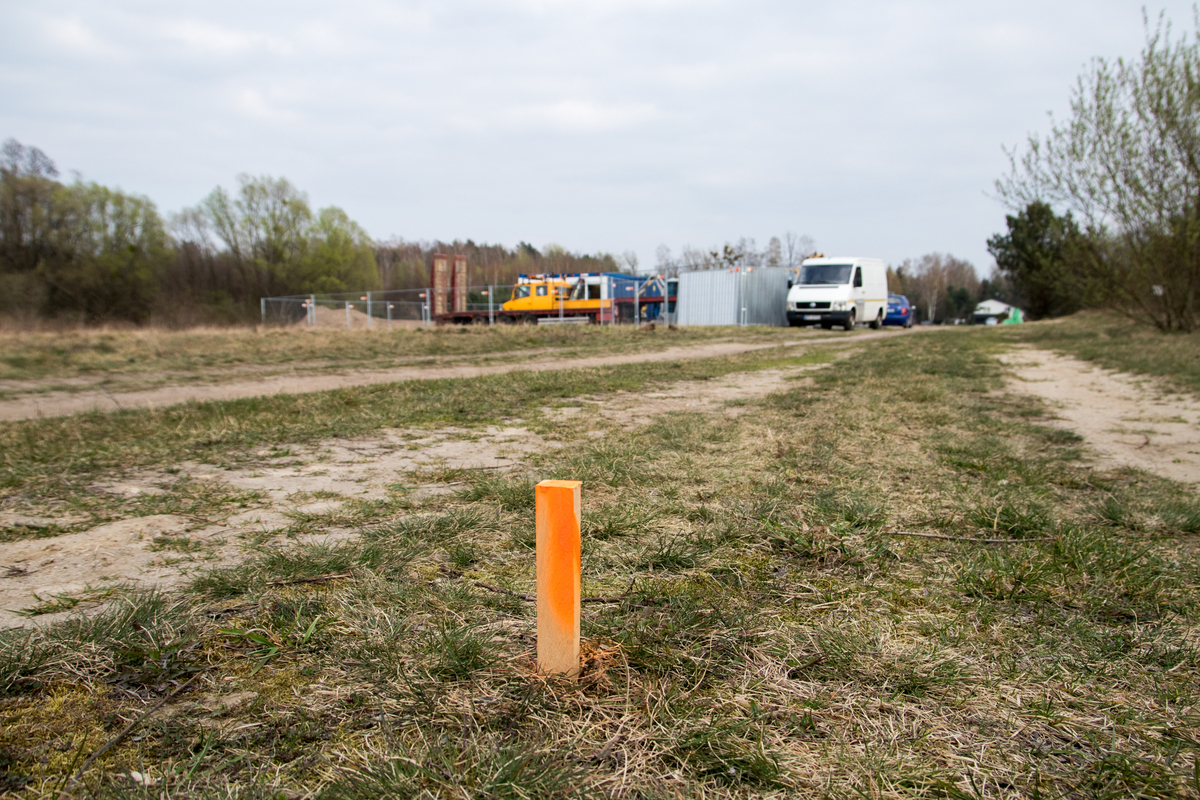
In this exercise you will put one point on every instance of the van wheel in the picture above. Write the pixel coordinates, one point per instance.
(850, 322)
(878, 323)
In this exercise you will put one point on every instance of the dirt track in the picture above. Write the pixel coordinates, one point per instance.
(58, 404)
(1127, 419)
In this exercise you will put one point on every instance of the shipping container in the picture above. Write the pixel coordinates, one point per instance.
(745, 296)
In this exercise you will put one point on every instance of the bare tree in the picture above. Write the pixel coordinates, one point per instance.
(665, 263)
(748, 250)
(797, 248)
(931, 279)
(693, 259)
(630, 259)
(773, 255)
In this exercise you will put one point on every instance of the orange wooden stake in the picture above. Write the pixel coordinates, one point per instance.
(557, 510)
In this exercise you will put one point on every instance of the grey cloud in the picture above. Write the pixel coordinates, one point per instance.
(875, 127)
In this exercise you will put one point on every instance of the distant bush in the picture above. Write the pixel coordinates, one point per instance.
(89, 253)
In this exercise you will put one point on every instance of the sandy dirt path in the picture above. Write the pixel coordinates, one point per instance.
(83, 571)
(1128, 420)
(63, 404)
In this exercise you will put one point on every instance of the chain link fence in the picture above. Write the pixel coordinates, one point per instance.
(385, 310)
(481, 305)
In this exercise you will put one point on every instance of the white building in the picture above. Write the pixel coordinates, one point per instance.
(996, 312)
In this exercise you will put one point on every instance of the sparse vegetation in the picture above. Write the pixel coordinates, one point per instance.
(56, 462)
(1115, 342)
(1123, 166)
(764, 633)
(149, 357)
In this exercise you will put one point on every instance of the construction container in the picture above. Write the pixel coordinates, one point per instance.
(741, 296)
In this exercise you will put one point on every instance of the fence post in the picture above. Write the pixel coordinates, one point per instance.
(606, 288)
(347, 315)
(389, 316)
(491, 312)
(556, 512)
(740, 300)
(262, 302)
(368, 310)
(312, 310)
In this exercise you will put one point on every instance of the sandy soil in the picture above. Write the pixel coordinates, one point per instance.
(336, 318)
(1128, 420)
(165, 550)
(55, 404)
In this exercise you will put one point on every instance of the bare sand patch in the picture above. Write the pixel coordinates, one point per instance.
(346, 317)
(165, 551)
(363, 467)
(1128, 420)
(337, 318)
(78, 567)
(721, 396)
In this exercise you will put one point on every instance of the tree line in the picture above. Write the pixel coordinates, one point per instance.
(406, 264)
(788, 251)
(1107, 205)
(84, 252)
(943, 288)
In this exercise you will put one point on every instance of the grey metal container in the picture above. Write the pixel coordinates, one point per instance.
(754, 296)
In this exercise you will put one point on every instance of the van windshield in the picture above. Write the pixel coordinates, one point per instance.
(825, 274)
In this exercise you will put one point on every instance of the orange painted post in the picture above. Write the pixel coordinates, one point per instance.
(557, 516)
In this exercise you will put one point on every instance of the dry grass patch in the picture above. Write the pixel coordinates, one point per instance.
(756, 629)
(75, 359)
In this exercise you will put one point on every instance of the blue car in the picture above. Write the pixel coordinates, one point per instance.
(900, 311)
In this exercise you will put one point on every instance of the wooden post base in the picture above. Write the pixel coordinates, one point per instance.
(557, 515)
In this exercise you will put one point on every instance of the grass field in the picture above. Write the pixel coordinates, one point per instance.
(763, 625)
(51, 466)
(155, 356)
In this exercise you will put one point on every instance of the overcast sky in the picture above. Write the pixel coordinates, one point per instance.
(875, 127)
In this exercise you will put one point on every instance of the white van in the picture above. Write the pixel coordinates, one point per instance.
(838, 291)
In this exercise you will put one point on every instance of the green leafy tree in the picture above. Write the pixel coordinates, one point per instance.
(108, 254)
(269, 229)
(340, 257)
(1038, 255)
(27, 187)
(82, 249)
(959, 303)
(27, 220)
(928, 281)
(265, 228)
(1127, 165)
